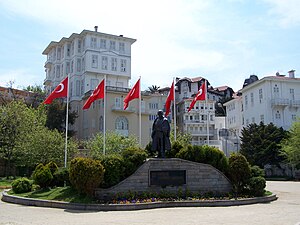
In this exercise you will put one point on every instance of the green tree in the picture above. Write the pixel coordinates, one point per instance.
(261, 143)
(114, 143)
(37, 96)
(291, 145)
(154, 89)
(56, 116)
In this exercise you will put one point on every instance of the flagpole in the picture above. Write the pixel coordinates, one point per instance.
(174, 109)
(104, 117)
(140, 114)
(67, 119)
(206, 103)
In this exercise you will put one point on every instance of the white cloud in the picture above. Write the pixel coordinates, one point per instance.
(286, 11)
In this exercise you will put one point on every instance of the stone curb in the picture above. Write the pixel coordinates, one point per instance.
(128, 207)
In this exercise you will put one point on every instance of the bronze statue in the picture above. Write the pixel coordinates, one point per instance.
(161, 134)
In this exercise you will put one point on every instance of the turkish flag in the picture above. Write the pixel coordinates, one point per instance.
(169, 99)
(98, 93)
(201, 95)
(133, 93)
(59, 92)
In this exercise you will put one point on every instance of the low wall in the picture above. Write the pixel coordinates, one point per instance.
(157, 175)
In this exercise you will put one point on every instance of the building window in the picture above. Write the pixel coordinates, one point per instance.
(71, 88)
(93, 42)
(104, 62)
(123, 65)
(72, 66)
(260, 95)
(253, 120)
(68, 68)
(72, 48)
(153, 105)
(277, 115)
(119, 84)
(94, 83)
(103, 43)
(79, 46)
(292, 94)
(94, 61)
(57, 71)
(112, 45)
(121, 125)
(101, 123)
(83, 44)
(252, 99)
(246, 101)
(58, 53)
(68, 49)
(77, 90)
(78, 65)
(294, 117)
(118, 102)
(83, 64)
(262, 118)
(114, 64)
(122, 47)
(276, 90)
(82, 87)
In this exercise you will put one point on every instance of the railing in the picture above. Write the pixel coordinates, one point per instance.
(280, 102)
(295, 103)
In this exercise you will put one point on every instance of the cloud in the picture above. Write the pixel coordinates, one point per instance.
(285, 11)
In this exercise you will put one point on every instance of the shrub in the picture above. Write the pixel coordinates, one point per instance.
(205, 154)
(42, 176)
(114, 170)
(257, 172)
(86, 175)
(257, 186)
(239, 172)
(133, 159)
(61, 176)
(53, 167)
(175, 148)
(21, 185)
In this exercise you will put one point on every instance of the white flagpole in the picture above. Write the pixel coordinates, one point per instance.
(206, 103)
(174, 109)
(67, 120)
(140, 114)
(104, 118)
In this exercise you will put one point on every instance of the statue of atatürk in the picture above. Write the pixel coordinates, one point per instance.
(161, 134)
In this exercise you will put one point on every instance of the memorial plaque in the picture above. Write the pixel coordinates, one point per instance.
(167, 178)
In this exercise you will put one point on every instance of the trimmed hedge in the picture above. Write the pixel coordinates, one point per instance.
(21, 185)
(86, 175)
(42, 176)
(114, 170)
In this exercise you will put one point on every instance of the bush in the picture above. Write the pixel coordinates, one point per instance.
(175, 148)
(257, 186)
(61, 176)
(257, 172)
(86, 175)
(42, 176)
(205, 154)
(53, 167)
(21, 185)
(114, 170)
(239, 172)
(133, 158)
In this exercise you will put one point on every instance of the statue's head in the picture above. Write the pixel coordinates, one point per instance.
(160, 113)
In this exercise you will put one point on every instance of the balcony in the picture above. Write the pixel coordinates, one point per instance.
(47, 81)
(295, 103)
(280, 102)
(48, 63)
(118, 108)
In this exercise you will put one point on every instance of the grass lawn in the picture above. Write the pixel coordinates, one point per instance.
(66, 194)
(4, 182)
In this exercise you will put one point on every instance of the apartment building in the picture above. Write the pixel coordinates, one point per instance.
(201, 121)
(89, 57)
(272, 99)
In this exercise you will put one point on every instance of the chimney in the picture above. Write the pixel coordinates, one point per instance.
(96, 28)
(292, 73)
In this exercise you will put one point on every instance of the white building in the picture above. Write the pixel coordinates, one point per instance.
(201, 121)
(272, 99)
(88, 57)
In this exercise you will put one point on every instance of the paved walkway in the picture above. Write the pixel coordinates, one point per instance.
(284, 211)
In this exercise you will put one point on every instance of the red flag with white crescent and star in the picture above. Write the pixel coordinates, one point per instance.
(98, 93)
(201, 95)
(133, 93)
(169, 99)
(59, 92)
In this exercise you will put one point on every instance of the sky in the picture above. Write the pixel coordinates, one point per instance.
(224, 41)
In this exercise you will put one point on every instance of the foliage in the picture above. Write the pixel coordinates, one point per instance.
(133, 158)
(239, 172)
(86, 174)
(175, 148)
(37, 96)
(21, 185)
(154, 88)
(114, 169)
(291, 145)
(61, 177)
(257, 186)
(52, 166)
(56, 116)
(115, 143)
(257, 172)
(261, 144)
(205, 154)
(42, 175)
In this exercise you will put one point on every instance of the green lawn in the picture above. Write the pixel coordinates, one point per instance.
(66, 194)
(4, 182)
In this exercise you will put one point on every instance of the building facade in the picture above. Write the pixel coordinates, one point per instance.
(88, 58)
(272, 99)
